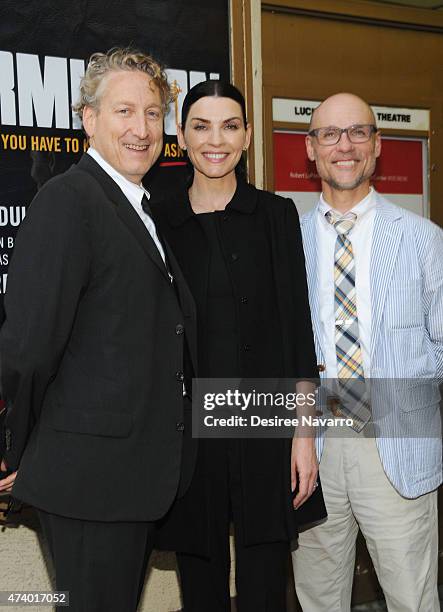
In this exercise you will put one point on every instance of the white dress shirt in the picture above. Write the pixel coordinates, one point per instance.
(361, 238)
(134, 193)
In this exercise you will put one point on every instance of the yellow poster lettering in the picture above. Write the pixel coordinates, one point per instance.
(72, 145)
(173, 150)
(46, 143)
(14, 142)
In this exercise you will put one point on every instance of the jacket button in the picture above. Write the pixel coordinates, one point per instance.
(179, 329)
(225, 217)
(180, 426)
(244, 300)
(234, 256)
(321, 367)
(247, 347)
(180, 376)
(8, 436)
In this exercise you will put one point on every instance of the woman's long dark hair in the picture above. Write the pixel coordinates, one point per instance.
(217, 89)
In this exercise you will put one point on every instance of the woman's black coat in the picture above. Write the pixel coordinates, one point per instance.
(261, 242)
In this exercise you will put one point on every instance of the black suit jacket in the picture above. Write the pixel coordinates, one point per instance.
(92, 355)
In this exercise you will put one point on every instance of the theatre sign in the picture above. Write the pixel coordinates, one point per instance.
(388, 117)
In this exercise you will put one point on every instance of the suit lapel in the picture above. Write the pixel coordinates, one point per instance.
(136, 226)
(125, 210)
(309, 229)
(386, 240)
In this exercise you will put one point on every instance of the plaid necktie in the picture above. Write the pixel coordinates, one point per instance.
(352, 393)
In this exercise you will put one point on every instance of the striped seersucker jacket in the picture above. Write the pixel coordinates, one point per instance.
(406, 277)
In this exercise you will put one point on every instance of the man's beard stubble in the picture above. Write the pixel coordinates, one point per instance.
(365, 176)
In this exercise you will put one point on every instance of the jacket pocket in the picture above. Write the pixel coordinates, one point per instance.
(403, 307)
(416, 394)
(94, 423)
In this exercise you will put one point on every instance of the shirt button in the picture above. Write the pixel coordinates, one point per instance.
(234, 256)
(180, 426)
(321, 367)
(180, 376)
(244, 300)
(247, 347)
(179, 329)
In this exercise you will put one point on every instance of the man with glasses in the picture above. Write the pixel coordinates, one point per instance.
(375, 274)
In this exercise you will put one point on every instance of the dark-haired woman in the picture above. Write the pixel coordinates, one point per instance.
(240, 251)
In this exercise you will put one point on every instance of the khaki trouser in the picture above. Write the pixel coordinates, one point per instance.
(401, 534)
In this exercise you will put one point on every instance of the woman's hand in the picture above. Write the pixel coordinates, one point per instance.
(6, 483)
(304, 468)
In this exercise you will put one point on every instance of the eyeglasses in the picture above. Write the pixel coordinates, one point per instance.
(331, 135)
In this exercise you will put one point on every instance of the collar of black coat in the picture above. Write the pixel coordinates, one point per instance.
(178, 208)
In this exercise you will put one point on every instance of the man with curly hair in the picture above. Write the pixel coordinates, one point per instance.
(99, 324)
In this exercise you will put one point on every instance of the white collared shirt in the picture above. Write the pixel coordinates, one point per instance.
(361, 239)
(134, 193)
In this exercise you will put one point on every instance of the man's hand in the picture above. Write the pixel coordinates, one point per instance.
(6, 483)
(304, 468)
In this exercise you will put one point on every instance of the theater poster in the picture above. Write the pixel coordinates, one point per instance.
(44, 45)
